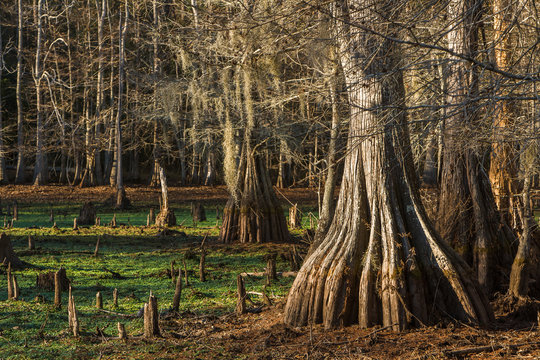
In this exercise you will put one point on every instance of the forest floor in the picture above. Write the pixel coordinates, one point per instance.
(206, 326)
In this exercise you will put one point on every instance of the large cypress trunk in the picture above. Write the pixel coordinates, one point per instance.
(253, 212)
(381, 262)
(468, 217)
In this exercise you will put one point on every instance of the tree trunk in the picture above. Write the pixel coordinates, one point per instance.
(327, 208)
(252, 213)
(503, 170)
(7, 255)
(121, 199)
(467, 217)
(380, 262)
(3, 175)
(166, 216)
(19, 176)
(40, 169)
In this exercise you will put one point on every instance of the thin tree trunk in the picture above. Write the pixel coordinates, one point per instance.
(40, 169)
(3, 175)
(503, 169)
(120, 192)
(327, 208)
(19, 176)
(154, 181)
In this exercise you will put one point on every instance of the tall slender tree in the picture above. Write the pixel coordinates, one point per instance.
(40, 168)
(19, 176)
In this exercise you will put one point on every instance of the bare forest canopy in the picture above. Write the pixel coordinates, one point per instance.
(172, 74)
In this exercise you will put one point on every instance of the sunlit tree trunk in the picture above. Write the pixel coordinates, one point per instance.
(252, 213)
(381, 262)
(504, 158)
(40, 169)
(121, 200)
(19, 176)
(467, 215)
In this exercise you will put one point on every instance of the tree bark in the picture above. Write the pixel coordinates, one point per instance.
(252, 213)
(467, 215)
(327, 208)
(40, 169)
(380, 262)
(503, 171)
(121, 199)
(19, 176)
(3, 175)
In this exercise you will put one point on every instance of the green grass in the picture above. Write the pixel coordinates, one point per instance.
(138, 254)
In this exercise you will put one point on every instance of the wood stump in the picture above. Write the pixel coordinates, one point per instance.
(115, 297)
(58, 288)
(46, 280)
(185, 271)
(177, 292)
(295, 217)
(15, 211)
(271, 273)
(202, 262)
(241, 296)
(166, 218)
(122, 334)
(16, 289)
(197, 212)
(96, 250)
(75, 224)
(9, 283)
(98, 221)
(87, 214)
(7, 255)
(99, 300)
(30, 243)
(73, 318)
(151, 318)
(51, 216)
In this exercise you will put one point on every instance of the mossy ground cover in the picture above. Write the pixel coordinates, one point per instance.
(34, 328)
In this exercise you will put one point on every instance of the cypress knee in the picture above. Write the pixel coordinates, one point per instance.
(151, 317)
(58, 289)
(177, 291)
(202, 273)
(16, 290)
(115, 297)
(122, 335)
(241, 296)
(99, 300)
(96, 250)
(9, 282)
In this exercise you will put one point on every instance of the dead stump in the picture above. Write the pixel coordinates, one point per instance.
(7, 255)
(166, 218)
(295, 217)
(45, 281)
(197, 212)
(87, 214)
(151, 318)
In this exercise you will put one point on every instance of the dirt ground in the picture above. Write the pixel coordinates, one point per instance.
(62, 193)
(261, 335)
